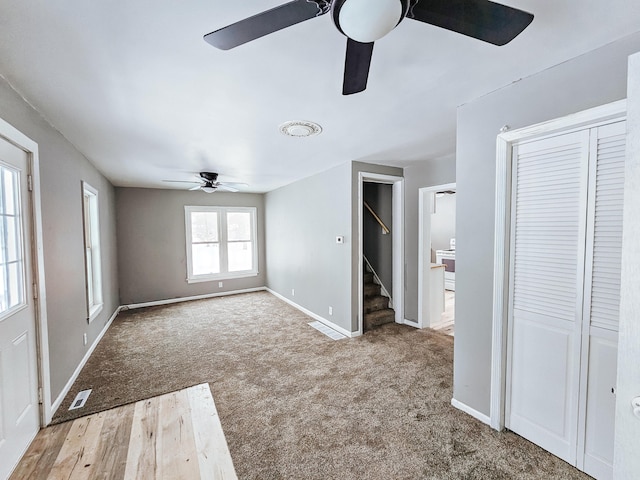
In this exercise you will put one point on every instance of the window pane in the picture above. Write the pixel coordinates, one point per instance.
(205, 258)
(204, 227)
(238, 226)
(240, 256)
(13, 240)
(9, 183)
(15, 284)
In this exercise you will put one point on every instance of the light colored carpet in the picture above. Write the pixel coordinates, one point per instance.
(295, 404)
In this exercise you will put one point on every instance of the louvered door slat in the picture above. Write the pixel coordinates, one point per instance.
(607, 228)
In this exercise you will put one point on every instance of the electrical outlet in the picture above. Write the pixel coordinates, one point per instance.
(330, 310)
(84, 339)
(219, 284)
(293, 292)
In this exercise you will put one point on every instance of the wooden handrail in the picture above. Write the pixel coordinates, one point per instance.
(385, 230)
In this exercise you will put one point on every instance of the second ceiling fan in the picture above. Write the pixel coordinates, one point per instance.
(365, 21)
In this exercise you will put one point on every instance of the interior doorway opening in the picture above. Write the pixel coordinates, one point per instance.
(395, 207)
(437, 258)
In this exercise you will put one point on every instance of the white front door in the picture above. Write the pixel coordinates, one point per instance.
(19, 409)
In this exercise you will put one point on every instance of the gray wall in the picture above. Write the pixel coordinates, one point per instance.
(62, 169)
(590, 80)
(443, 224)
(376, 245)
(302, 222)
(627, 460)
(152, 243)
(422, 174)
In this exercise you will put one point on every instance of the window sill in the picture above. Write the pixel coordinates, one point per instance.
(221, 277)
(94, 312)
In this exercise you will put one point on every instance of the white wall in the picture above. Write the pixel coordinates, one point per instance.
(152, 243)
(62, 169)
(590, 80)
(627, 459)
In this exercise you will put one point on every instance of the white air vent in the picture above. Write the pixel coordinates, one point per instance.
(80, 399)
(300, 128)
(329, 332)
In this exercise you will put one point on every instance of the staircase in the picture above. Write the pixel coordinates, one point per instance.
(376, 305)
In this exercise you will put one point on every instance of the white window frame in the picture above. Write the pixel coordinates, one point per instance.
(92, 254)
(223, 242)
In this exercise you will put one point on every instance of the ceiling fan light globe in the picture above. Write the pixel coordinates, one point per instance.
(366, 21)
(208, 189)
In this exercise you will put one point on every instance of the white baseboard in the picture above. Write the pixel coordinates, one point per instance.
(328, 323)
(168, 301)
(67, 387)
(474, 413)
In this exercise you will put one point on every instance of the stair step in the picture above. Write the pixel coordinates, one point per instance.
(379, 317)
(371, 289)
(368, 277)
(377, 302)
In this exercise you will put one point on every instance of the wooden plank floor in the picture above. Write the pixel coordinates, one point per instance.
(173, 436)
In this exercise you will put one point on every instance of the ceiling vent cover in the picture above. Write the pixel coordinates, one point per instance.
(300, 128)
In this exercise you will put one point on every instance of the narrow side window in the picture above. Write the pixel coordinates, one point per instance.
(93, 264)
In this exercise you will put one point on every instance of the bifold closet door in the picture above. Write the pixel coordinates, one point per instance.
(602, 299)
(548, 227)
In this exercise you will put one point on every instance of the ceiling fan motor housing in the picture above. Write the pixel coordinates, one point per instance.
(365, 21)
(209, 177)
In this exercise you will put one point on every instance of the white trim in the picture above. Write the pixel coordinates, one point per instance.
(471, 411)
(504, 142)
(223, 242)
(323, 320)
(411, 323)
(397, 231)
(169, 301)
(424, 238)
(17, 138)
(93, 283)
(82, 363)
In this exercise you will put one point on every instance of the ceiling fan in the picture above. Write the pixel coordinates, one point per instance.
(208, 183)
(365, 21)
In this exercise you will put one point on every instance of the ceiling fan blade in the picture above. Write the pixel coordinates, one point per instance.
(227, 188)
(196, 187)
(180, 181)
(356, 66)
(264, 23)
(487, 21)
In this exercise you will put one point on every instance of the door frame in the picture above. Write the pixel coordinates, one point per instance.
(9, 133)
(502, 240)
(397, 232)
(424, 240)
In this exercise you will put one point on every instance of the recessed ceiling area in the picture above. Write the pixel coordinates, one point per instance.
(134, 86)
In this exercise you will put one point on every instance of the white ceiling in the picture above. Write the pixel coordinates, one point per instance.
(134, 87)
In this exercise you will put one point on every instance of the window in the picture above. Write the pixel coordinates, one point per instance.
(93, 264)
(11, 251)
(221, 242)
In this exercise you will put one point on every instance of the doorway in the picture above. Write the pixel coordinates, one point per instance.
(24, 381)
(396, 232)
(436, 257)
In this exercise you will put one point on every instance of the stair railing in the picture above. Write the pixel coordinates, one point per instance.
(385, 230)
(377, 280)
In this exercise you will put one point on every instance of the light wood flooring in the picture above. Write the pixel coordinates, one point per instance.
(173, 436)
(449, 314)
